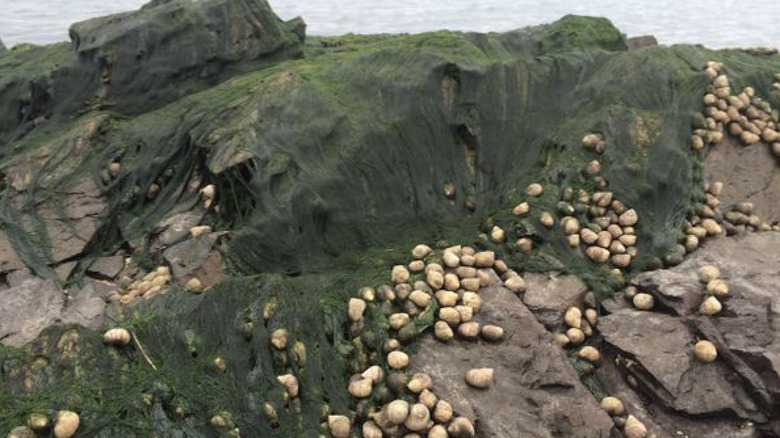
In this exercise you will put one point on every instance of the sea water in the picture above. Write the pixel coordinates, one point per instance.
(717, 24)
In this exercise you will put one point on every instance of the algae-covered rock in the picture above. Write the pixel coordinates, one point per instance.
(140, 60)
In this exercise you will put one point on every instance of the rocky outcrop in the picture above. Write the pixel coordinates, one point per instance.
(136, 61)
(656, 349)
(536, 391)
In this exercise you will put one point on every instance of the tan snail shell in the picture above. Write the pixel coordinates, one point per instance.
(473, 300)
(435, 279)
(718, 288)
(470, 284)
(438, 431)
(469, 330)
(634, 428)
(573, 317)
(521, 209)
(524, 245)
(515, 284)
(420, 298)
(705, 351)
(643, 301)
(561, 339)
(447, 298)
(397, 360)
(299, 353)
(418, 418)
(371, 430)
(589, 353)
(707, 273)
(592, 316)
(399, 274)
(66, 425)
(547, 219)
(492, 333)
(613, 406)
(449, 315)
(208, 192)
(442, 331)
(375, 373)
(419, 382)
(355, 309)
(466, 313)
(461, 427)
(117, 336)
(339, 426)
(399, 320)
(360, 388)
(428, 398)
(279, 338)
(290, 382)
(397, 411)
(451, 282)
(534, 189)
(416, 266)
(575, 335)
(421, 251)
(710, 306)
(450, 259)
(484, 259)
(442, 412)
(480, 378)
(38, 422)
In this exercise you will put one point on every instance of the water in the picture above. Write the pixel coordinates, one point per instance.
(725, 23)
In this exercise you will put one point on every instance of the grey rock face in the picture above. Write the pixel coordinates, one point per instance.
(27, 309)
(656, 348)
(536, 391)
(107, 267)
(548, 298)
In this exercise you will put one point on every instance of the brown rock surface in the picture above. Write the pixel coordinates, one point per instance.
(536, 392)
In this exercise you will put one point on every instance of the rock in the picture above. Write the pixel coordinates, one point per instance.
(9, 260)
(16, 278)
(84, 306)
(187, 256)
(639, 42)
(549, 297)
(71, 234)
(661, 346)
(106, 268)
(533, 372)
(174, 229)
(743, 169)
(27, 309)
